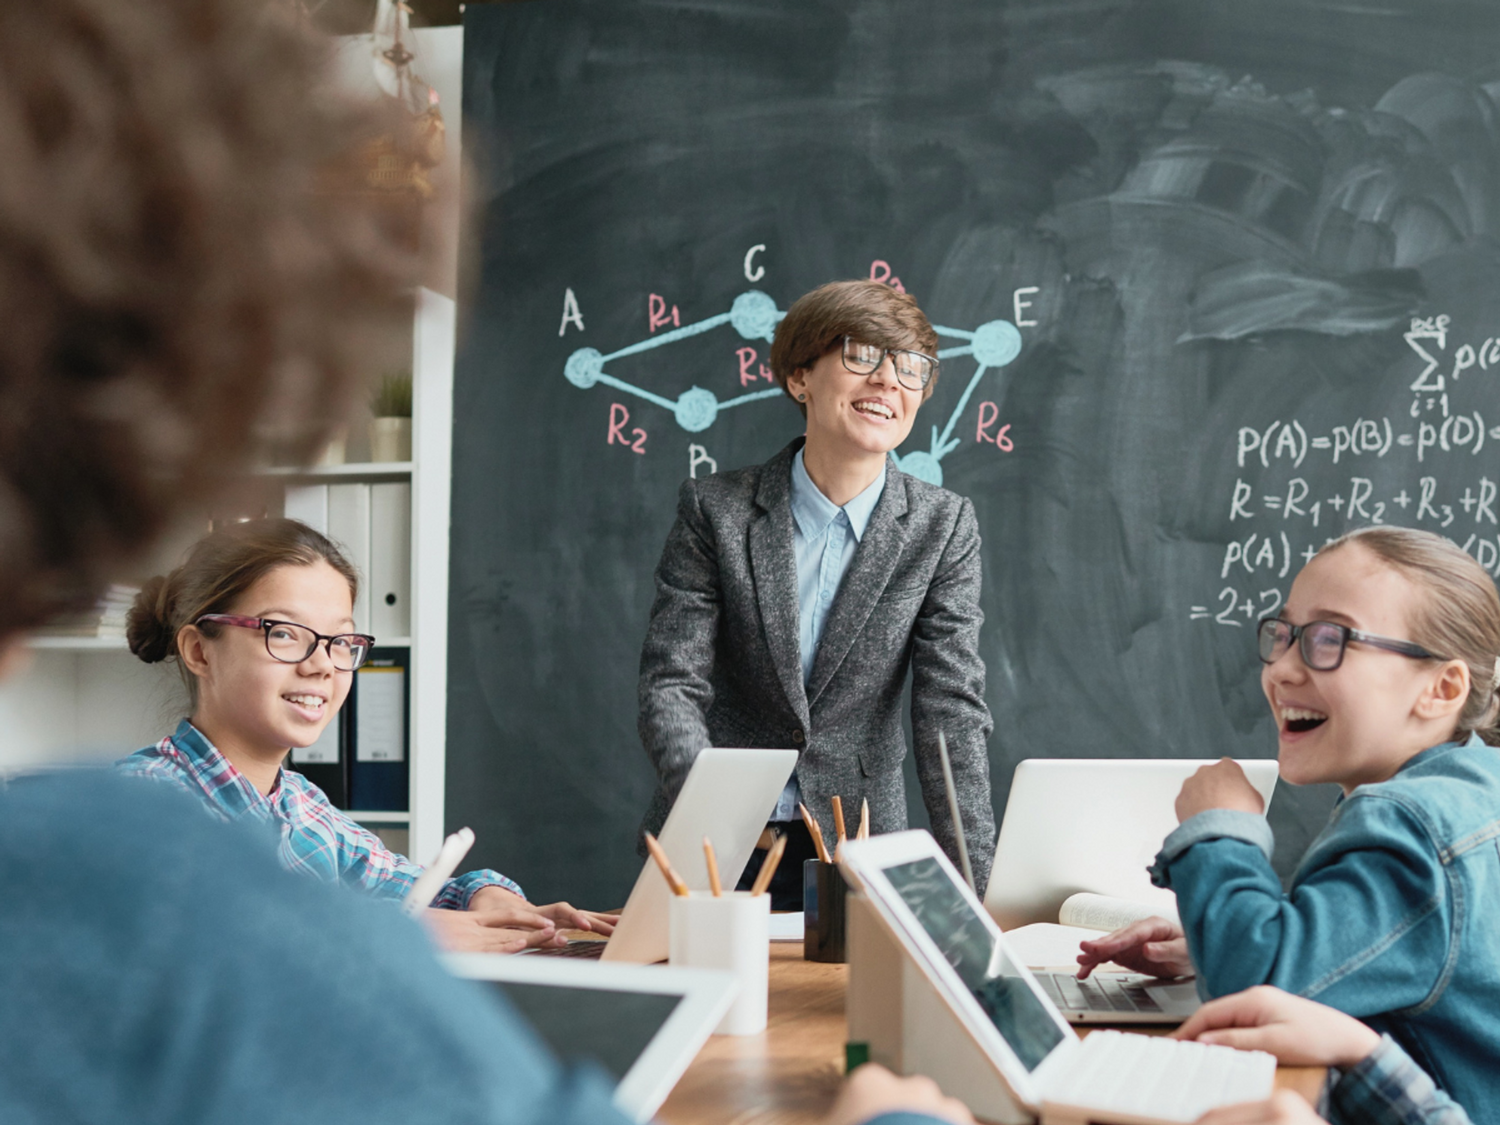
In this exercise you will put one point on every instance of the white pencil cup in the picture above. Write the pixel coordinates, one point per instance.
(731, 932)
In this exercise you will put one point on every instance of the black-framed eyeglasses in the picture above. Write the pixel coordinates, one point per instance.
(1322, 643)
(914, 370)
(291, 643)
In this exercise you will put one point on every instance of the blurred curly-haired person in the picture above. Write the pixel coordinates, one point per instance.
(172, 293)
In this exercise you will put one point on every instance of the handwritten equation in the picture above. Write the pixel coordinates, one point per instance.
(1433, 464)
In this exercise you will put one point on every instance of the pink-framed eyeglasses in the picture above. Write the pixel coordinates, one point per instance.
(291, 643)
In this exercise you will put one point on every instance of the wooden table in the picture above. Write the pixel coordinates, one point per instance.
(791, 1072)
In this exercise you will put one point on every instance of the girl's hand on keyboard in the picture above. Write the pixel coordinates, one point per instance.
(567, 917)
(1284, 1107)
(1298, 1032)
(1151, 945)
(498, 923)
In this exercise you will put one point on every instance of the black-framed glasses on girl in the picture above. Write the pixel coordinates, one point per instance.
(1322, 643)
(291, 643)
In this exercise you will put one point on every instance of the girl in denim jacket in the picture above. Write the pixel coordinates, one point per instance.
(1382, 673)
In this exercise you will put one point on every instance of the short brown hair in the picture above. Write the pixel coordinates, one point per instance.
(1459, 617)
(869, 310)
(174, 292)
(220, 567)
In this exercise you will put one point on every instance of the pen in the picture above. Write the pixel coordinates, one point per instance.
(713, 868)
(816, 832)
(438, 872)
(674, 880)
(768, 868)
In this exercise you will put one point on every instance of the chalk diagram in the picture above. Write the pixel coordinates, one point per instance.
(754, 316)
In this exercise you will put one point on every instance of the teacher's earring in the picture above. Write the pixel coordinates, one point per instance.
(803, 398)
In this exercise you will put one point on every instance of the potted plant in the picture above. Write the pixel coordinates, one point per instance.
(390, 429)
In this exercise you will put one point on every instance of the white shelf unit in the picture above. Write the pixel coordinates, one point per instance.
(78, 644)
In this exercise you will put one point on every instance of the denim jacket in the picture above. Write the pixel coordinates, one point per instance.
(1393, 915)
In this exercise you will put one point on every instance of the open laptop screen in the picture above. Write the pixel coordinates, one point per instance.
(971, 948)
(605, 1025)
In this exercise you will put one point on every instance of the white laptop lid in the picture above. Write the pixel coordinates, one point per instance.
(642, 1026)
(1090, 824)
(728, 796)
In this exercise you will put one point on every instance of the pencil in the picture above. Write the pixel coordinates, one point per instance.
(713, 868)
(863, 832)
(838, 820)
(768, 868)
(816, 831)
(674, 880)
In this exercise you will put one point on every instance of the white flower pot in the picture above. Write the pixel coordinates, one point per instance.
(390, 439)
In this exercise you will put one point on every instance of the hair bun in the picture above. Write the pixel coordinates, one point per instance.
(148, 628)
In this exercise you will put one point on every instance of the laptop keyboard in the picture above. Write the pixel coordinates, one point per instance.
(1166, 1079)
(588, 950)
(1103, 992)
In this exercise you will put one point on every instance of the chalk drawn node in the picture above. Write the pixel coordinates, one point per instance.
(754, 315)
(996, 343)
(922, 465)
(696, 410)
(584, 367)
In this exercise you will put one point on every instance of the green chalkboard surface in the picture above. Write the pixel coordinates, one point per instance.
(1215, 281)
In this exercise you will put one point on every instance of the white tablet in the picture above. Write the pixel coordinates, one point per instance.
(642, 1025)
(924, 903)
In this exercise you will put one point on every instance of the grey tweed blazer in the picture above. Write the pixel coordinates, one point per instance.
(721, 665)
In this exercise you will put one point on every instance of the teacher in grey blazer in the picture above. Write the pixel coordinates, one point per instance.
(793, 598)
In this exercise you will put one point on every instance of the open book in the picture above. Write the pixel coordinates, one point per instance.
(1082, 917)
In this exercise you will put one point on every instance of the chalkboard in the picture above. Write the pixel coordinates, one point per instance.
(1247, 251)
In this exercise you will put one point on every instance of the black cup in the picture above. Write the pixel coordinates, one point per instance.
(823, 896)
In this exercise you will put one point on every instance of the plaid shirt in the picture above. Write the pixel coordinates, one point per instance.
(313, 836)
(1387, 1088)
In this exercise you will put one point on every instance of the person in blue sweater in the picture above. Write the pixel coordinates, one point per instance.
(1382, 671)
(177, 286)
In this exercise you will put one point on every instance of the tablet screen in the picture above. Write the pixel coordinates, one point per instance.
(971, 948)
(607, 1026)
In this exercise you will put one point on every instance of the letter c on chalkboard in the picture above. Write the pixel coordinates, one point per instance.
(752, 271)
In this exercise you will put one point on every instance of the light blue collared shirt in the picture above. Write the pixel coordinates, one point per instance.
(824, 539)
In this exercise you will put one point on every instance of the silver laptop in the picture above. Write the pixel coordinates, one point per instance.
(728, 796)
(642, 1026)
(1090, 824)
(1112, 1076)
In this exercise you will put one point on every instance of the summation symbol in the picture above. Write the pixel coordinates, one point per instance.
(754, 316)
